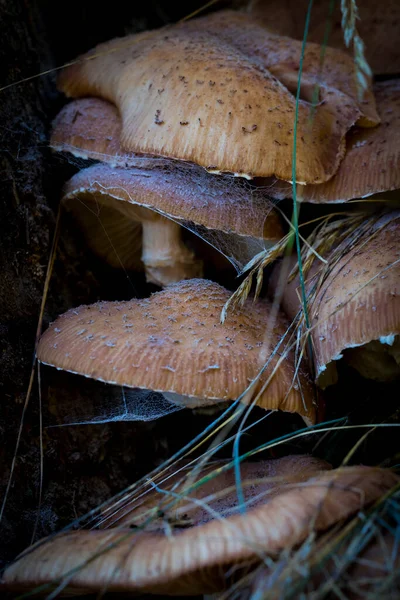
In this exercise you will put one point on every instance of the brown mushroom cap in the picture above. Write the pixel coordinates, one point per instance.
(91, 128)
(244, 219)
(372, 161)
(217, 91)
(358, 302)
(174, 342)
(378, 26)
(197, 560)
(218, 495)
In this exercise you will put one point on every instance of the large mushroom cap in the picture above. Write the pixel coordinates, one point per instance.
(198, 560)
(356, 306)
(378, 26)
(372, 161)
(217, 91)
(110, 204)
(174, 342)
(260, 481)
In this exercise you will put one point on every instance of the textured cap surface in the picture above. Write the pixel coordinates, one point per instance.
(372, 161)
(91, 128)
(174, 342)
(112, 205)
(378, 26)
(197, 560)
(359, 299)
(218, 495)
(184, 192)
(218, 91)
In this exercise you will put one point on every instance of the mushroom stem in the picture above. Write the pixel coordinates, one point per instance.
(165, 256)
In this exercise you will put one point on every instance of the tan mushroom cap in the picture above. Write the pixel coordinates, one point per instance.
(218, 495)
(198, 560)
(163, 199)
(372, 161)
(357, 303)
(218, 91)
(91, 128)
(378, 26)
(174, 342)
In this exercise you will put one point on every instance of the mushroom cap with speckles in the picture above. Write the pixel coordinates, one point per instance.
(260, 481)
(185, 193)
(372, 161)
(174, 342)
(90, 128)
(358, 300)
(217, 91)
(378, 26)
(199, 559)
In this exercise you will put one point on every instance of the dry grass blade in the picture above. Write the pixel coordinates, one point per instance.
(351, 35)
(255, 268)
(334, 239)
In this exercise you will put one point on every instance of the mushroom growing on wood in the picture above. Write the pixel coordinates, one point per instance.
(174, 343)
(200, 559)
(372, 161)
(217, 91)
(355, 308)
(113, 205)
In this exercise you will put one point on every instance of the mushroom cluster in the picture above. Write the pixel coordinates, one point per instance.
(193, 127)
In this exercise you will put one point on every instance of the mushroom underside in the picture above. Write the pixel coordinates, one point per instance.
(377, 359)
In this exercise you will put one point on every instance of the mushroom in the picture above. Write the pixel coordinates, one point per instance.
(204, 558)
(218, 494)
(113, 204)
(218, 91)
(377, 24)
(355, 308)
(90, 128)
(372, 161)
(174, 343)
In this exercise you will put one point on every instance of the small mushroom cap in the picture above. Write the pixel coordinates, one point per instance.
(185, 192)
(91, 128)
(174, 342)
(359, 299)
(372, 161)
(197, 560)
(217, 91)
(378, 26)
(260, 482)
